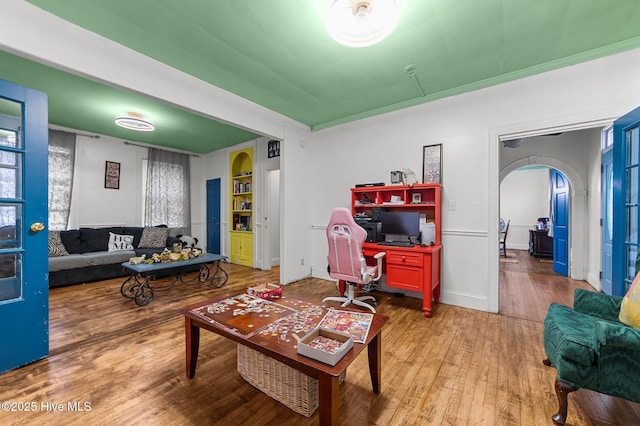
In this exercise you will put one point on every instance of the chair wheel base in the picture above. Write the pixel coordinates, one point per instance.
(358, 301)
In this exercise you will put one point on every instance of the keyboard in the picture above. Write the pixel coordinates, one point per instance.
(396, 243)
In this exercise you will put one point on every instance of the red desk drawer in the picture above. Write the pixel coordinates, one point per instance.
(404, 277)
(405, 258)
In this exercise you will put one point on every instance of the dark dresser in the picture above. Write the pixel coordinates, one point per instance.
(540, 244)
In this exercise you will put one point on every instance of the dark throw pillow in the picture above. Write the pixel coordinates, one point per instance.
(56, 248)
(153, 237)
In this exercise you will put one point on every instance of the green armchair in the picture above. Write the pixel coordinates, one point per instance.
(591, 349)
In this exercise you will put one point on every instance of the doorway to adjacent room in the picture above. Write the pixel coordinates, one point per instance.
(575, 154)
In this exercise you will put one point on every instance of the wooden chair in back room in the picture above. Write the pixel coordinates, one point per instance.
(503, 238)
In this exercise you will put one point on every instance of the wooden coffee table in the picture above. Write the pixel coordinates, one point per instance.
(138, 288)
(270, 344)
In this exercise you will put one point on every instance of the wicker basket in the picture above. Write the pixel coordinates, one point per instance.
(291, 387)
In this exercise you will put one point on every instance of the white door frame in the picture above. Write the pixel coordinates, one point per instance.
(266, 220)
(524, 130)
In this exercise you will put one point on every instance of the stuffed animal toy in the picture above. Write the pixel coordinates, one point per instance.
(409, 177)
(187, 241)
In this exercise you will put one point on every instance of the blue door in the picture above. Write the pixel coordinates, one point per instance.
(560, 222)
(213, 216)
(24, 288)
(626, 201)
(606, 182)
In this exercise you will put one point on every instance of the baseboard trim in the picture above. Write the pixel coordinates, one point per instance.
(321, 273)
(463, 300)
(594, 281)
(466, 300)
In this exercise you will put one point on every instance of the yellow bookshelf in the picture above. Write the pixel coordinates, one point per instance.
(241, 205)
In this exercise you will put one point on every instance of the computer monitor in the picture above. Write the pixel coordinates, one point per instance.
(401, 223)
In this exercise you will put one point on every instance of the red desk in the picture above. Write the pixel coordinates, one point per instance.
(414, 268)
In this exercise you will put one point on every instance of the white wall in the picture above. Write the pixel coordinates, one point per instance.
(468, 126)
(273, 224)
(594, 239)
(266, 246)
(91, 203)
(297, 202)
(198, 182)
(524, 197)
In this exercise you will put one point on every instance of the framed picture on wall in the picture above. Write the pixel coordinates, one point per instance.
(432, 164)
(273, 149)
(112, 175)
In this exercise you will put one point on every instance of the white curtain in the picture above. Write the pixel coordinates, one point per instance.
(62, 152)
(167, 200)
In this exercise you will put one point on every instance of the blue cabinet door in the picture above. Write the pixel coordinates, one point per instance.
(24, 288)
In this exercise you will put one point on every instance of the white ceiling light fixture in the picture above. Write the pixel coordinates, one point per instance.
(135, 121)
(360, 23)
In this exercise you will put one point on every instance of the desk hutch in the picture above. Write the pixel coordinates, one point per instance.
(414, 268)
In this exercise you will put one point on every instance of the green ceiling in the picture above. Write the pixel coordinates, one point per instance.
(277, 53)
(78, 103)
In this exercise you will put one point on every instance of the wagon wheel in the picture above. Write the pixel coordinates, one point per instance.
(130, 288)
(203, 276)
(219, 278)
(144, 296)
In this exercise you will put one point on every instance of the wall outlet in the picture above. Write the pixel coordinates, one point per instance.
(452, 205)
(302, 261)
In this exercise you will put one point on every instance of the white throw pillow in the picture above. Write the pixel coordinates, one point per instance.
(120, 242)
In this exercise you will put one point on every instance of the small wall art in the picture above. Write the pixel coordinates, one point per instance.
(112, 175)
(273, 149)
(432, 164)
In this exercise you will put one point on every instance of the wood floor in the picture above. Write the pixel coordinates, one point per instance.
(460, 367)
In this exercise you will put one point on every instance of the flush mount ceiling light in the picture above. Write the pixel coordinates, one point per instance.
(360, 23)
(135, 121)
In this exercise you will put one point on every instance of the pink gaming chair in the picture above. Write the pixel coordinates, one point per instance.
(346, 261)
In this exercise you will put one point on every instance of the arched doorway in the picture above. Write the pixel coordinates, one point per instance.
(577, 200)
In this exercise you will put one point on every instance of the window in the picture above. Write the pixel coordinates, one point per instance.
(10, 166)
(606, 138)
(167, 199)
(62, 151)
